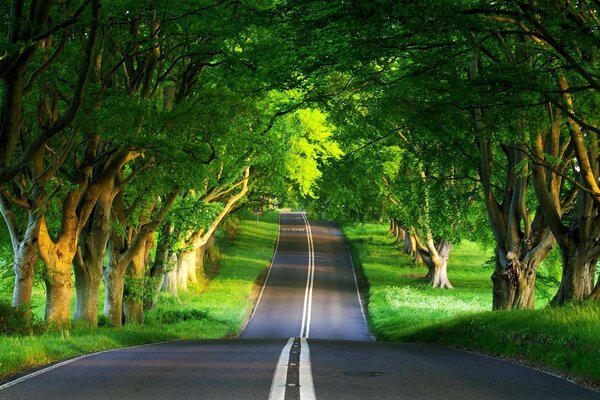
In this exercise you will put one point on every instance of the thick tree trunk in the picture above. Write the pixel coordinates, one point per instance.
(400, 233)
(514, 281)
(58, 258)
(24, 268)
(59, 290)
(89, 260)
(186, 261)
(87, 295)
(170, 281)
(114, 282)
(25, 255)
(579, 273)
(134, 290)
(435, 258)
(439, 269)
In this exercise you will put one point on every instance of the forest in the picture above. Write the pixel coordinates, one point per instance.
(131, 130)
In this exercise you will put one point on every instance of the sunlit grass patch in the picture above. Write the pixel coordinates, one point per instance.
(399, 300)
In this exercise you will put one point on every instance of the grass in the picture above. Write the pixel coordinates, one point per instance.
(400, 301)
(215, 311)
(402, 307)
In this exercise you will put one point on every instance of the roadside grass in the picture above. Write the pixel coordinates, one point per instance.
(559, 339)
(400, 301)
(217, 310)
(402, 307)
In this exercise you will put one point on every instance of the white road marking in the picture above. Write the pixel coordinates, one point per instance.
(307, 309)
(268, 272)
(307, 388)
(360, 302)
(280, 378)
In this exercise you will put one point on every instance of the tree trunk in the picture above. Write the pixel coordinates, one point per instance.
(578, 277)
(90, 258)
(114, 282)
(410, 247)
(201, 266)
(59, 290)
(514, 280)
(160, 267)
(24, 268)
(25, 255)
(400, 233)
(186, 260)
(87, 294)
(204, 252)
(439, 272)
(58, 258)
(134, 290)
(170, 281)
(435, 258)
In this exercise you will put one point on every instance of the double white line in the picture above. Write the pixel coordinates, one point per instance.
(279, 383)
(310, 280)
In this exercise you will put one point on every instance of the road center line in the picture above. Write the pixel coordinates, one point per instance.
(307, 388)
(307, 309)
(280, 378)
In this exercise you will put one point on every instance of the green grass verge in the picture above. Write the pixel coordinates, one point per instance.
(402, 307)
(216, 311)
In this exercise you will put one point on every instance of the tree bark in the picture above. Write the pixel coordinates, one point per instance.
(25, 258)
(134, 288)
(187, 261)
(399, 232)
(170, 281)
(439, 268)
(59, 290)
(435, 256)
(58, 257)
(124, 251)
(89, 260)
(410, 247)
(514, 280)
(114, 282)
(577, 230)
(578, 277)
(24, 267)
(161, 267)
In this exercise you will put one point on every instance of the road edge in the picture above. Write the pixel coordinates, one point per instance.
(264, 283)
(361, 282)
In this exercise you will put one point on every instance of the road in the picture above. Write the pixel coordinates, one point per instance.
(307, 339)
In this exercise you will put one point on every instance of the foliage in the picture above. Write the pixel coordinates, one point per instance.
(13, 320)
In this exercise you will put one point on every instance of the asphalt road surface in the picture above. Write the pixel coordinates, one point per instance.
(307, 339)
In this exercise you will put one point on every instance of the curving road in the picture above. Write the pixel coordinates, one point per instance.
(307, 339)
